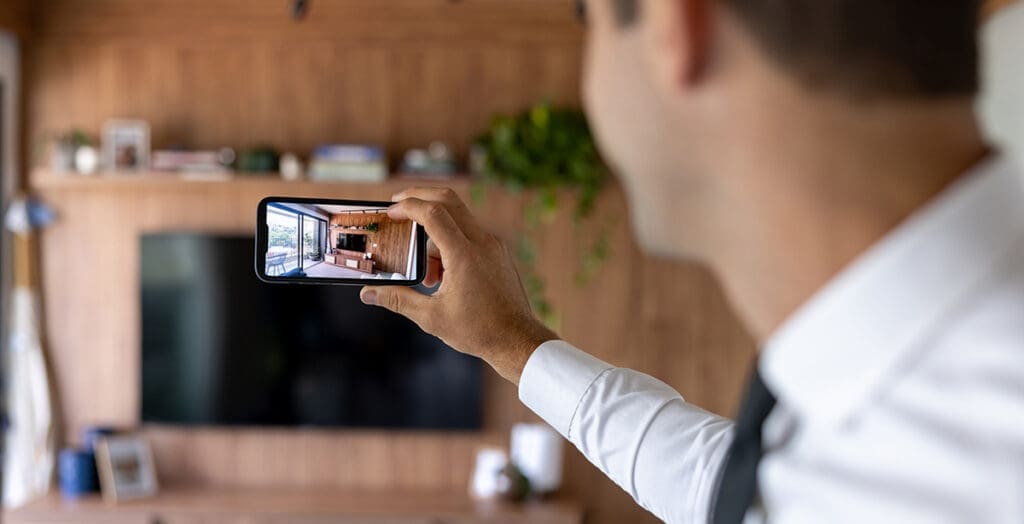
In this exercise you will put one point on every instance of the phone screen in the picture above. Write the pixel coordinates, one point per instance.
(319, 241)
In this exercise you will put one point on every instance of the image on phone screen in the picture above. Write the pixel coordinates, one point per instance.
(304, 240)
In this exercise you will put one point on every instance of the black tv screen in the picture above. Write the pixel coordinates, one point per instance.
(351, 242)
(219, 347)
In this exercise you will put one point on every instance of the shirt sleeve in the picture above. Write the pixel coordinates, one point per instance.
(640, 432)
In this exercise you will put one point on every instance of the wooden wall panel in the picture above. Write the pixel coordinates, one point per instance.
(222, 73)
(292, 97)
(208, 73)
(14, 16)
(414, 21)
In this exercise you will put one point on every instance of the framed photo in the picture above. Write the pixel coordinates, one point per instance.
(126, 468)
(126, 145)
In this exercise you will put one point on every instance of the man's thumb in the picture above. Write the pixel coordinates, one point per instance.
(402, 300)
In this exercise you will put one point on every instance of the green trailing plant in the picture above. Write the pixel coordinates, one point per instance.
(373, 227)
(546, 151)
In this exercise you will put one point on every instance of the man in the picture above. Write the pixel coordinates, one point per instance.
(822, 156)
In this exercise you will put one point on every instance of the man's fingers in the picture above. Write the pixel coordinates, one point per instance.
(447, 196)
(435, 218)
(402, 300)
(438, 194)
(432, 251)
(435, 267)
(435, 272)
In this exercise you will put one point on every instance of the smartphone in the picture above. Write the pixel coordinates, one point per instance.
(349, 242)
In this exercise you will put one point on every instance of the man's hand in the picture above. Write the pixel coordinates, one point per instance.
(481, 308)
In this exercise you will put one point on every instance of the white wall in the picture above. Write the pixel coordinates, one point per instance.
(1002, 102)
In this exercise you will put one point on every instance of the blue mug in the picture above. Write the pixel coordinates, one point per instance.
(77, 472)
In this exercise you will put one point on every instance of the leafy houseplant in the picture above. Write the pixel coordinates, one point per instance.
(545, 150)
(373, 227)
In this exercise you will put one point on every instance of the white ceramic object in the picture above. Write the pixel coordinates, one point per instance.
(538, 452)
(87, 160)
(291, 167)
(489, 463)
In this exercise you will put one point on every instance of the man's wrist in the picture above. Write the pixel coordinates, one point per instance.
(510, 359)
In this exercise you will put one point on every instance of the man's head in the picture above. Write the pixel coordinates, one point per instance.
(669, 83)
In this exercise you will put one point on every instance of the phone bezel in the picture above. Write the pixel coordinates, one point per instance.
(262, 238)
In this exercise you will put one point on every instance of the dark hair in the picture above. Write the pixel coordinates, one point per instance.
(625, 10)
(868, 48)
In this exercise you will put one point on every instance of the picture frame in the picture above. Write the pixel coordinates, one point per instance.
(126, 467)
(126, 146)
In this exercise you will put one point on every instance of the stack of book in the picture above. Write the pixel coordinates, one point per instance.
(348, 163)
(193, 161)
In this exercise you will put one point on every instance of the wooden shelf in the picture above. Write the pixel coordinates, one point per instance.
(44, 179)
(188, 505)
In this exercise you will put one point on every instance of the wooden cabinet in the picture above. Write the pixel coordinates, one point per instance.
(353, 260)
(221, 506)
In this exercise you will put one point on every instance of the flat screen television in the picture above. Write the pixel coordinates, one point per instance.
(221, 348)
(350, 242)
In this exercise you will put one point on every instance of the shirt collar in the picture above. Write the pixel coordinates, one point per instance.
(832, 354)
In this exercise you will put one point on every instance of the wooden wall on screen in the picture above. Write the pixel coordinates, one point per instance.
(389, 244)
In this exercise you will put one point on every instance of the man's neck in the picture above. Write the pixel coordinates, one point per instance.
(810, 186)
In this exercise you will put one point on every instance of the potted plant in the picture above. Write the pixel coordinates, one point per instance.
(544, 150)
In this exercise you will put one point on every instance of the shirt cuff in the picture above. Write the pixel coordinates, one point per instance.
(554, 381)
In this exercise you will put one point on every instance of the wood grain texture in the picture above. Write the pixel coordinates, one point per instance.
(230, 73)
(15, 16)
(392, 239)
(399, 73)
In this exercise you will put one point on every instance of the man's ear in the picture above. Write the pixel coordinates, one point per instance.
(678, 41)
(696, 18)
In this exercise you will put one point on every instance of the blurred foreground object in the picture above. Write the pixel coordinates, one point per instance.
(31, 439)
(1002, 101)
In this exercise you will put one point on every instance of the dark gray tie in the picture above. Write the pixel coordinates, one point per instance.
(737, 485)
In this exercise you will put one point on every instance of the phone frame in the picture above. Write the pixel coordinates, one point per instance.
(263, 234)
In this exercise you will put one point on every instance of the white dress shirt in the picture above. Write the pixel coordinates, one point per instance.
(900, 386)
